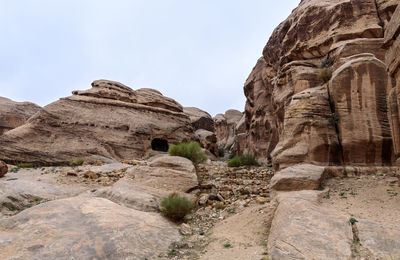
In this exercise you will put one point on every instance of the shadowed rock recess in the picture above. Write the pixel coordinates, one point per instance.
(351, 118)
(110, 120)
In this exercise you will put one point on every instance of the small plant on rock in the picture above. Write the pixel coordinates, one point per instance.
(25, 165)
(353, 220)
(191, 151)
(324, 75)
(176, 207)
(76, 162)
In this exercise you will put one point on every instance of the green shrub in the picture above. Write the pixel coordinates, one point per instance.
(25, 165)
(248, 159)
(191, 151)
(324, 75)
(176, 207)
(234, 162)
(245, 159)
(76, 162)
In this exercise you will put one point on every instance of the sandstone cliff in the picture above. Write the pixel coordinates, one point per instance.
(14, 114)
(292, 116)
(110, 120)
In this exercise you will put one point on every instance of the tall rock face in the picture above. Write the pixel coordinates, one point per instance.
(294, 114)
(14, 114)
(227, 129)
(392, 44)
(109, 120)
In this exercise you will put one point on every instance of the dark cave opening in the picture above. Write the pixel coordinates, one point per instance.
(158, 144)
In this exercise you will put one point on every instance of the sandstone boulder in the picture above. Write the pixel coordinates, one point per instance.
(199, 118)
(302, 229)
(14, 114)
(208, 140)
(298, 177)
(143, 187)
(109, 120)
(93, 228)
(177, 163)
(26, 188)
(3, 168)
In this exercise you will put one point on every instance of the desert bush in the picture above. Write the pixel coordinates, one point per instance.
(25, 165)
(234, 162)
(245, 159)
(191, 151)
(324, 75)
(76, 162)
(176, 207)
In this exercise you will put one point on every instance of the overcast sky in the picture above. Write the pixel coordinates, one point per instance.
(198, 52)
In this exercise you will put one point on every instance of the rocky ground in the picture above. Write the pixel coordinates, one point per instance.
(238, 215)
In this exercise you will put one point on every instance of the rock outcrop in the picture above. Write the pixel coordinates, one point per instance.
(226, 129)
(392, 59)
(302, 229)
(109, 120)
(3, 168)
(143, 187)
(294, 115)
(200, 119)
(14, 114)
(85, 228)
(299, 177)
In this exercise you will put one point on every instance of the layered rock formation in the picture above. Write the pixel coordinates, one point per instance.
(200, 119)
(203, 125)
(14, 114)
(392, 44)
(294, 115)
(110, 120)
(227, 128)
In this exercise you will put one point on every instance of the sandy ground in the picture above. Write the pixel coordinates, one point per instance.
(241, 236)
(374, 198)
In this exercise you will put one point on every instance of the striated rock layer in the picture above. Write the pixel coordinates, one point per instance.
(14, 114)
(293, 115)
(109, 120)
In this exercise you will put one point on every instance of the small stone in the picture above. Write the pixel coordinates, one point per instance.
(203, 199)
(91, 175)
(185, 229)
(72, 174)
(261, 200)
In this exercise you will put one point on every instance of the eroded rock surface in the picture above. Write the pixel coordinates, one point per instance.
(143, 187)
(85, 228)
(109, 120)
(14, 114)
(225, 129)
(352, 118)
(200, 119)
(298, 177)
(302, 229)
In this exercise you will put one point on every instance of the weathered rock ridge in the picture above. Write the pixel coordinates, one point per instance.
(350, 118)
(14, 114)
(109, 120)
(229, 129)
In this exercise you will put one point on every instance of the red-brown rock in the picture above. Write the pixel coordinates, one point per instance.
(109, 120)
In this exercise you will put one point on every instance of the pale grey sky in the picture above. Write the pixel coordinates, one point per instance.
(197, 52)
